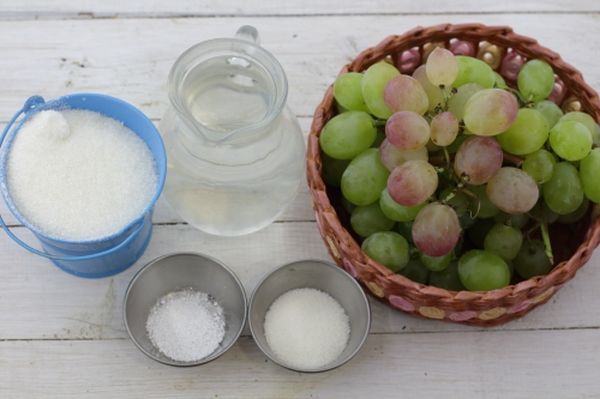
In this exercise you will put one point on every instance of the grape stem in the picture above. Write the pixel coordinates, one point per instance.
(547, 244)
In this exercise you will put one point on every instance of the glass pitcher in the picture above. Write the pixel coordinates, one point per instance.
(235, 151)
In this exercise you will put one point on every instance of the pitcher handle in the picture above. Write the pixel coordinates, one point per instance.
(248, 33)
(30, 104)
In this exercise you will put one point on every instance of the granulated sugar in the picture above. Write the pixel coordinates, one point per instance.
(306, 328)
(79, 175)
(186, 325)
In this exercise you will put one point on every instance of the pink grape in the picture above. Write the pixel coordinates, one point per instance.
(412, 183)
(478, 158)
(462, 47)
(512, 190)
(392, 156)
(511, 65)
(441, 67)
(444, 129)
(407, 130)
(434, 93)
(490, 112)
(408, 60)
(436, 229)
(405, 93)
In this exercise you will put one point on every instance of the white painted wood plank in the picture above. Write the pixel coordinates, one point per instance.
(111, 8)
(526, 364)
(38, 301)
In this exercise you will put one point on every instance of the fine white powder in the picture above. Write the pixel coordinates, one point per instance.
(79, 175)
(306, 328)
(186, 325)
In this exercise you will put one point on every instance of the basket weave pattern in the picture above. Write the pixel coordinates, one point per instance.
(474, 308)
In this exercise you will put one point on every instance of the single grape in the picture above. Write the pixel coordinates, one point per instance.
(518, 221)
(512, 190)
(441, 67)
(504, 241)
(527, 134)
(483, 271)
(596, 137)
(478, 159)
(434, 93)
(542, 213)
(394, 211)
(456, 199)
(405, 93)
(444, 129)
(412, 183)
(563, 193)
(407, 130)
(373, 85)
(531, 260)
(584, 119)
(551, 112)
(436, 263)
(436, 229)
(416, 271)
(347, 135)
(333, 170)
(479, 230)
(535, 80)
(405, 230)
(388, 248)
(364, 178)
(575, 215)
(589, 173)
(458, 101)
(490, 112)
(570, 140)
(447, 279)
(481, 206)
(473, 70)
(392, 156)
(369, 219)
(500, 83)
(539, 165)
(347, 91)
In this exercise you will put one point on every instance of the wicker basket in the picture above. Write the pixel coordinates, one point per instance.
(573, 244)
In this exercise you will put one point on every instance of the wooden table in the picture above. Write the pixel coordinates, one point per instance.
(63, 337)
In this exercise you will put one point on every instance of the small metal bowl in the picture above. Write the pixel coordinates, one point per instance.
(175, 272)
(322, 276)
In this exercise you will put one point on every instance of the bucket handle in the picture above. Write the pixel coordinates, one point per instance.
(30, 104)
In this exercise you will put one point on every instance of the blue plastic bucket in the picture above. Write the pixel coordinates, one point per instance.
(103, 256)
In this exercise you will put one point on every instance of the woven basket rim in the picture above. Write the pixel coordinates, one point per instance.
(505, 36)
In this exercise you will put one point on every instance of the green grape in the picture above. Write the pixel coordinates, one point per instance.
(436, 263)
(479, 230)
(596, 136)
(563, 193)
(589, 172)
(441, 67)
(584, 119)
(333, 170)
(347, 135)
(531, 260)
(405, 230)
(535, 80)
(490, 112)
(504, 241)
(500, 83)
(458, 200)
(570, 140)
(542, 213)
(347, 205)
(575, 215)
(527, 134)
(511, 267)
(482, 207)
(364, 178)
(378, 138)
(473, 70)
(394, 211)
(374, 80)
(388, 248)
(551, 112)
(483, 271)
(369, 219)
(518, 221)
(435, 95)
(447, 279)
(458, 101)
(416, 271)
(539, 165)
(348, 93)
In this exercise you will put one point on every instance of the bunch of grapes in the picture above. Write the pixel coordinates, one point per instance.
(451, 176)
